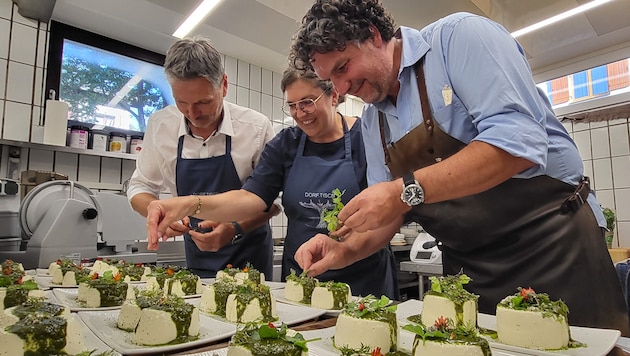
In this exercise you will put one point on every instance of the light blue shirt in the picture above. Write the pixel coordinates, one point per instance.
(494, 99)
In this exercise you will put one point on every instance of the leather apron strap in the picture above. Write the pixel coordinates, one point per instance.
(522, 233)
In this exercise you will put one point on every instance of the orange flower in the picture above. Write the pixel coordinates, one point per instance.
(95, 276)
(361, 306)
(19, 281)
(527, 292)
(245, 269)
(440, 323)
(229, 265)
(117, 277)
(270, 324)
(376, 352)
(170, 271)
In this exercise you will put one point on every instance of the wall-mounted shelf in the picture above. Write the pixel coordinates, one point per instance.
(66, 149)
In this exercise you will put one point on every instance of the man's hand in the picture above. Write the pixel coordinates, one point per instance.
(320, 254)
(374, 207)
(212, 241)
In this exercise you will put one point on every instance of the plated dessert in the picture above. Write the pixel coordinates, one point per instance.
(267, 340)
(307, 290)
(366, 325)
(15, 285)
(534, 321)
(445, 338)
(155, 319)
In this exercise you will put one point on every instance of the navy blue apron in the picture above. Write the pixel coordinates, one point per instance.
(213, 175)
(308, 190)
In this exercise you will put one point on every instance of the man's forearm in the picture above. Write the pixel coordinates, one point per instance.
(141, 201)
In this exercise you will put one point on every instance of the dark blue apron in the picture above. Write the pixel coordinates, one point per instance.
(307, 192)
(213, 175)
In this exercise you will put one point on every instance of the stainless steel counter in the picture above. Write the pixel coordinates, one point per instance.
(422, 269)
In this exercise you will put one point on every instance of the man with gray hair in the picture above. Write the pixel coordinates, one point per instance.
(204, 145)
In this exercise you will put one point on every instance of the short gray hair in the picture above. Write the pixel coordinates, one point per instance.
(194, 57)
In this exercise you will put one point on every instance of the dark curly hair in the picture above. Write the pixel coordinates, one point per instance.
(330, 24)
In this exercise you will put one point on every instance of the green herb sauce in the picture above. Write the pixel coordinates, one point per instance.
(42, 335)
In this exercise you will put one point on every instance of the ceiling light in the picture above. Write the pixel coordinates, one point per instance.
(195, 18)
(559, 17)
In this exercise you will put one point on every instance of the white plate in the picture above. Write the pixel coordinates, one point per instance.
(43, 272)
(68, 298)
(46, 282)
(91, 342)
(289, 314)
(224, 351)
(270, 284)
(103, 324)
(599, 341)
(279, 295)
(325, 345)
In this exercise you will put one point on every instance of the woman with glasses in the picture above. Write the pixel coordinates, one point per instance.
(306, 162)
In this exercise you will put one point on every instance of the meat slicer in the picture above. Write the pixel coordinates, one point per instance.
(65, 219)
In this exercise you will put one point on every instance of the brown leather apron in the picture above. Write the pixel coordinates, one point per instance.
(522, 233)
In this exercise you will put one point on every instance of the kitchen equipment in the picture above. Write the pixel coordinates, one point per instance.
(64, 219)
(425, 249)
(31, 178)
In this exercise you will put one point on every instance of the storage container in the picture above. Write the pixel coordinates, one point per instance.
(79, 136)
(135, 144)
(99, 140)
(118, 142)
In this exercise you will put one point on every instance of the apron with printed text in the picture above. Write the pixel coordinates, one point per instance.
(307, 192)
(515, 234)
(213, 175)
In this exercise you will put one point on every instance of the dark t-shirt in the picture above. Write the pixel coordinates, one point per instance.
(276, 161)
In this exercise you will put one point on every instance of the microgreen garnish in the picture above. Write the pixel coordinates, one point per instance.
(330, 216)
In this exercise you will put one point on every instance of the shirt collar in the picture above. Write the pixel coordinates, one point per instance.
(226, 126)
(414, 47)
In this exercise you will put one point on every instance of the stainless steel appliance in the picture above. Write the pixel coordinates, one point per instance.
(62, 218)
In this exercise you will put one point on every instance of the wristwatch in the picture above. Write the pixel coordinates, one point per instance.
(238, 232)
(412, 193)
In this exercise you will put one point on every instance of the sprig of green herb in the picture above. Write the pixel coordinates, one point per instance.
(330, 216)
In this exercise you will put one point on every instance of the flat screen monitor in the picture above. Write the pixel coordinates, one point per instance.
(105, 82)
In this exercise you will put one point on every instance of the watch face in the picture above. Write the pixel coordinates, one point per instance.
(413, 195)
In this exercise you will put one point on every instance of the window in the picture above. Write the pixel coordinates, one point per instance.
(609, 79)
(104, 81)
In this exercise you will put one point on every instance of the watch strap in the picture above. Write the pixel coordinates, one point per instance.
(408, 179)
(238, 232)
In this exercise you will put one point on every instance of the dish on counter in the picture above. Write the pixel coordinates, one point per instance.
(104, 325)
(279, 295)
(270, 284)
(68, 298)
(45, 282)
(289, 314)
(599, 341)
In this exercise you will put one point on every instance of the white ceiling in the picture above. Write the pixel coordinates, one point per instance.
(259, 31)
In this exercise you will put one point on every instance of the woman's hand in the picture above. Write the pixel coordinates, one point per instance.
(162, 213)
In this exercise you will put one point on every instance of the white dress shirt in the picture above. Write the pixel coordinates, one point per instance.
(155, 165)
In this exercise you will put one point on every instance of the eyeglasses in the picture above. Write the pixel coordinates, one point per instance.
(307, 106)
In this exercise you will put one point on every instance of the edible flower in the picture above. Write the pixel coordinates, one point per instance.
(376, 352)
(361, 306)
(526, 293)
(441, 323)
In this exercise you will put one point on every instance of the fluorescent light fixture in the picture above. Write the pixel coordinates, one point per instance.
(578, 10)
(195, 18)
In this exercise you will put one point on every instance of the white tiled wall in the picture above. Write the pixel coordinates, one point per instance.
(23, 46)
(605, 150)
